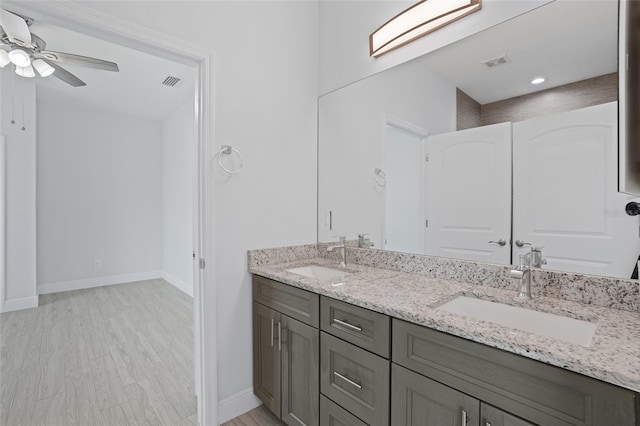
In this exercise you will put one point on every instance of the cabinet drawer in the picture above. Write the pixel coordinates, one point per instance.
(294, 302)
(362, 327)
(331, 414)
(355, 379)
(538, 392)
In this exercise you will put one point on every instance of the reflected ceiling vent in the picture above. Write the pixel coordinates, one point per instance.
(496, 62)
(170, 81)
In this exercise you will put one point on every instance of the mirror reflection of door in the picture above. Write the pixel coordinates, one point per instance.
(565, 193)
(404, 223)
(469, 194)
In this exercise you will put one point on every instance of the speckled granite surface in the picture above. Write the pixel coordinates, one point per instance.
(587, 289)
(408, 293)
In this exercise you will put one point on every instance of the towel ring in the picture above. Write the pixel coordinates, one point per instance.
(380, 177)
(229, 150)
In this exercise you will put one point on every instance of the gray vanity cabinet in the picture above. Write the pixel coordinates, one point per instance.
(300, 381)
(331, 414)
(266, 357)
(536, 392)
(355, 379)
(492, 416)
(342, 375)
(419, 401)
(286, 352)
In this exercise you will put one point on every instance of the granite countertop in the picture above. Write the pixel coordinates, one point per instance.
(613, 357)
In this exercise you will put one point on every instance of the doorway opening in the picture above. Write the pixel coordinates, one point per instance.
(74, 18)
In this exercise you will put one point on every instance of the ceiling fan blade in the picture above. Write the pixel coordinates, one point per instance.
(65, 75)
(86, 61)
(16, 28)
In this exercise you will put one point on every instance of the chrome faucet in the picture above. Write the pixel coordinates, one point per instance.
(343, 251)
(364, 242)
(523, 273)
(526, 263)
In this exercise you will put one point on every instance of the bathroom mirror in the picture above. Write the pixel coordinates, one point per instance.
(630, 103)
(458, 154)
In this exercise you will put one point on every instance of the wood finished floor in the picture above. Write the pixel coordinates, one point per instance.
(115, 355)
(260, 416)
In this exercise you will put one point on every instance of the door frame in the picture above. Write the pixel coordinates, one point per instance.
(80, 18)
(424, 134)
(3, 234)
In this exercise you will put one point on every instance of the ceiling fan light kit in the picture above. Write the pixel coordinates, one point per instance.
(25, 71)
(4, 59)
(19, 46)
(44, 69)
(19, 58)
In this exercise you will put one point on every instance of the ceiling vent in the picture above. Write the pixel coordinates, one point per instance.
(496, 62)
(170, 81)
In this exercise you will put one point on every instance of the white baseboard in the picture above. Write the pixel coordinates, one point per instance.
(19, 304)
(236, 405)
(178, 283)
(97, 282)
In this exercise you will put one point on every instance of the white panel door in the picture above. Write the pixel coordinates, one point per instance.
(469, 194)
(404, 197)
(565, 193)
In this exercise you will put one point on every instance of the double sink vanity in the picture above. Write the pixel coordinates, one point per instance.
(426, 341)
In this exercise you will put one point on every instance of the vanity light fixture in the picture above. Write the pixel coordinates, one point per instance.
(538, 80)
(419, 20)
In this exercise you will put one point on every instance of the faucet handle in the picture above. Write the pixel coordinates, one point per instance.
(341, 239)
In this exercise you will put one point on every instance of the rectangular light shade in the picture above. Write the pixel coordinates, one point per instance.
(417, 21)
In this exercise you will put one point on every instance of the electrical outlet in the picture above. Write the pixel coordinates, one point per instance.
(97, 264)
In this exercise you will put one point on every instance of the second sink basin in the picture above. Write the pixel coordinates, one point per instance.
(554, 326)
(319, 272)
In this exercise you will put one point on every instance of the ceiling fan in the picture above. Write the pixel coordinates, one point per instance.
(19, 46)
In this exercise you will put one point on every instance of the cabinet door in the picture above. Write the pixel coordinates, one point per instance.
(266, 356)
(418, 401)
(300, 373)
(492, 416)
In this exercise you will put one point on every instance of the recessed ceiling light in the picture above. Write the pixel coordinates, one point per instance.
(538, 80)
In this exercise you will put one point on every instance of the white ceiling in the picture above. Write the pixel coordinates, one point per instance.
(136, 90)
(564, 41)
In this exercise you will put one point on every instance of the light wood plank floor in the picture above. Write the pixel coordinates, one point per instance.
(114, 355)
(260, 416)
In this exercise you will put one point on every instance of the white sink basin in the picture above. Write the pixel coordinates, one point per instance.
(549, 325)
(319, 272)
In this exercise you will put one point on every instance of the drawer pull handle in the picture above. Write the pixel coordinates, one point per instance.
(346, 324)
(279, 336)
(346, 379)
(272, 332)
(464, 418)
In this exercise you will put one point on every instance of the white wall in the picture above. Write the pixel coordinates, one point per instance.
(266, 77)
(346, 25)
(99, 197)
(20, 275)
(178, 178)
(352, 141)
